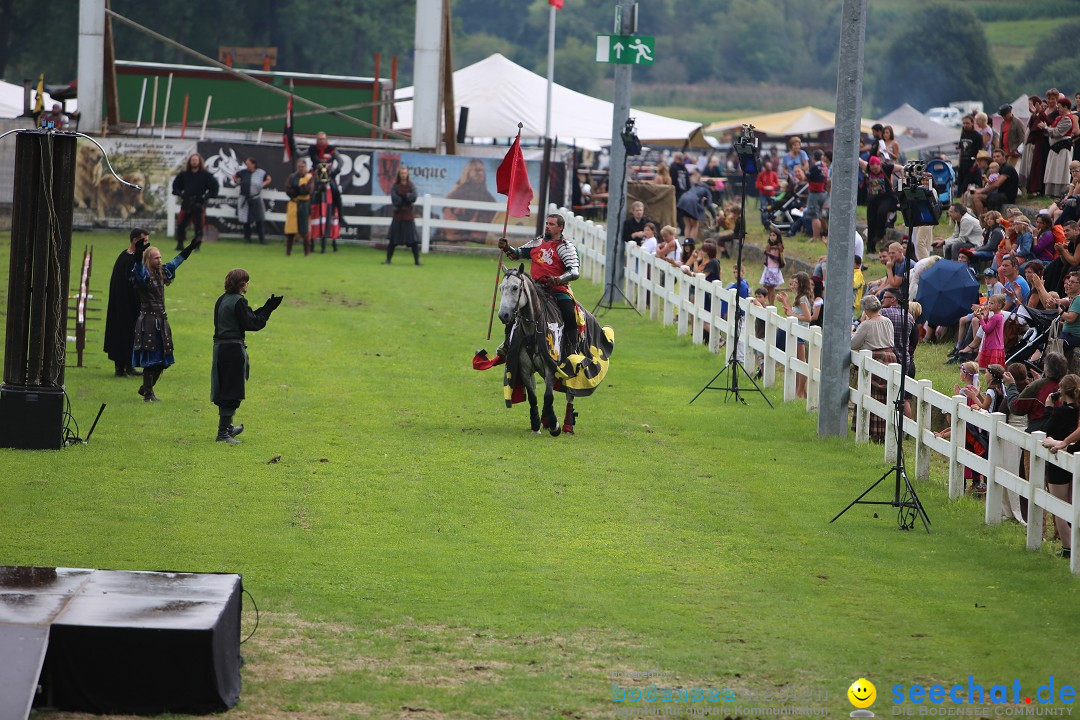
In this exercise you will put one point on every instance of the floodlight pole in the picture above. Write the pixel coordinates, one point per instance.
(614, 272)
(835, 389)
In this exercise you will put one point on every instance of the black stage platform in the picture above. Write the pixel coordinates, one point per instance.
(123, 642)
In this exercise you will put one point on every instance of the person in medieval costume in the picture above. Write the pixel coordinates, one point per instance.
(554, 265)
(250, 210)
(124, 306)
(403, 222)
(194, 185)
(327, 215)
(233, 317)
(298, 211)
(153, 346)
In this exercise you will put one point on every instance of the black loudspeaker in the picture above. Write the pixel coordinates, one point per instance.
(31, 418)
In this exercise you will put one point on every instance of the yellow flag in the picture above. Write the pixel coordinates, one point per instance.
(39, 104)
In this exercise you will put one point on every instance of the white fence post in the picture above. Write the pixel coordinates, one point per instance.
(1036, 482)
(682, 289)
(956, 441)
(791, 353)
(768, 372)
(892, 385)
(170, 208)
(993, 457)
(922, 426)
(425, 223)
(813, 375)
(862, 391)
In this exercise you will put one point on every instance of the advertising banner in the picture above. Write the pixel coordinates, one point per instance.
(458, 178)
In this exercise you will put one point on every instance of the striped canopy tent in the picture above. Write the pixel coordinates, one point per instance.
(801, 121)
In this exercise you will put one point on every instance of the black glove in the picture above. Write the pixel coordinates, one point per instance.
(273, 303)
(186, 252)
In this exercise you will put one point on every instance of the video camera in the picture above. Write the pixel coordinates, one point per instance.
(919, 203)
(746, 147)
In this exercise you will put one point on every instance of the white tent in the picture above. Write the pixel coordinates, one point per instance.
(11, 100)
(920, 132)
(500, 94)
(806, 120)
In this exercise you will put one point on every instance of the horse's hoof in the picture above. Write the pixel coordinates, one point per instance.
(568, 429)
(555, 431)
(536, 431)
(536, 427)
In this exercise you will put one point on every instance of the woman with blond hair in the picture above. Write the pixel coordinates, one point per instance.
(153, 350)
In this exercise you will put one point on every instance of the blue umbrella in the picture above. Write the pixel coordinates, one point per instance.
(947, 290)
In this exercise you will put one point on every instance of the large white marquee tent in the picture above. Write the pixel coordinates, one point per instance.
(500, 94)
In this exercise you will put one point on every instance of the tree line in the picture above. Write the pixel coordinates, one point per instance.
(927, 52)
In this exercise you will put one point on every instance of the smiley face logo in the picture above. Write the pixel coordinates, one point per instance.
(862, 693)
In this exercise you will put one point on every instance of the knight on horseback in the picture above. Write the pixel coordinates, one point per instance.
(554, 265)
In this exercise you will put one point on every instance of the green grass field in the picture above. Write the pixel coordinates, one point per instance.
(416, 552)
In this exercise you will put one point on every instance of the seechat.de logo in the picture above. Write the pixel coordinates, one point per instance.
(862, 695)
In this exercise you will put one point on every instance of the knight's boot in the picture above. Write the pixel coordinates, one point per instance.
(334, 243)
(223, 434)
(569, 419)
(323, 240)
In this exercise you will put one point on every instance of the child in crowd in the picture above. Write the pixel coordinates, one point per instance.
(992, 319)
(973, 439)
(771, 277)
(648, 240)
(993, 173)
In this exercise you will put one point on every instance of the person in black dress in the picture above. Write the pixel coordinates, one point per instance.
(124, 306)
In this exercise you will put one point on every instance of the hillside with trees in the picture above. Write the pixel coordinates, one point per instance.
(711, 54)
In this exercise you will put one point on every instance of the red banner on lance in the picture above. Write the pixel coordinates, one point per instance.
(512, 180)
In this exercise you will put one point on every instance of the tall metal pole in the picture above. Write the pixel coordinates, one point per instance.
(545, 164)
(426, 75)
(613, 271)
(836, 336)
(91, 64)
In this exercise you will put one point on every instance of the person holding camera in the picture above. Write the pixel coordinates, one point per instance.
(194, 185)
(298, 211)
(232, 318)
(251, 181)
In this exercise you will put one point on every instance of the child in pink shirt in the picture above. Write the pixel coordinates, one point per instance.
(992, 318)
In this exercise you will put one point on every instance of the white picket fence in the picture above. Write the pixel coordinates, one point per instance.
(664, 292)
(428, 210)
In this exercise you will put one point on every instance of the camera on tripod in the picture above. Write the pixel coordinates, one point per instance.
(919, 203)
(746, 147)
(630, 139)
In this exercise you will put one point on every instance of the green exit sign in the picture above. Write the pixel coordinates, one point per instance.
(625, 49)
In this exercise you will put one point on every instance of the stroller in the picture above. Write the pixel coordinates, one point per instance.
(1033, 328)
(944, 177)
(781, 211)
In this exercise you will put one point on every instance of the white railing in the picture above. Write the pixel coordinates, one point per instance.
(426, 217)
(664, 292)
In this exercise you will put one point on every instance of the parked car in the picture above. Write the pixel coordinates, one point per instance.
(947, 116)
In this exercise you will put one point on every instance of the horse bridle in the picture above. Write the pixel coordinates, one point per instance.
(518, 316)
